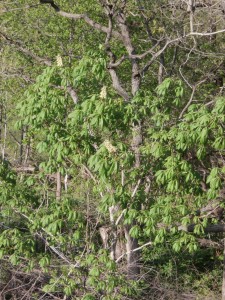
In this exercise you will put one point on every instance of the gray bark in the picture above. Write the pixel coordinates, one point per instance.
(214, 228)
(58, 186)
(133, 257)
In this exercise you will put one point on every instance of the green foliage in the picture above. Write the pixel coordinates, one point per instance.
(156, 184)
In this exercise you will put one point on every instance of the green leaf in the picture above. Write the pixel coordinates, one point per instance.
(88, 297)
(94, 272)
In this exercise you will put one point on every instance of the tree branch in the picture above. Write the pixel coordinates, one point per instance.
(56, 251)
(71, 91)
(52, 3)
(135, 75)
(213, 228)
(210, 244)
(73, 94)
(111, 67)
(90, 22)
(25, 51)
(134, 250)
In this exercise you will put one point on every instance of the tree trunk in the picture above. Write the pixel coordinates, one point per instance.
(133, 267)
(191, 9)
(112, 211)
(3, 130)
(161, 69)
(1, 125)
(22, 136)
(58, 186)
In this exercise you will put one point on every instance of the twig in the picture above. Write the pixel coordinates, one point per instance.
(191, 98)
(120, 217)
(57, 252)
(188, 104)
(90, 22)
(134, 250)
(132, 196)
(135, 189)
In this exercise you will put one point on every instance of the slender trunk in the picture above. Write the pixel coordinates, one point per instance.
(136, 142)
(1, 127)
(133, 257)
(117, 245)
(133, 267)
(27, 152)
(5, 134)
(191, 9)
(22, 136)
(27, 148)
(1, 123)
(112, 211)
(58, 186)
(161, 67)
(66, 182)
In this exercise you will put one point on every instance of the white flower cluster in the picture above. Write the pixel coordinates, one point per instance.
(109, 146)
(103, 93)
(59, 60)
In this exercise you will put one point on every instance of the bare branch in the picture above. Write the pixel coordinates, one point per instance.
(188, 104)
(25, 51)
(56, 251)
(205, 33)
(71, 91)
(90, 22)
(191, 98)
(168, 43)
(73, 94)
(120, 217)
(112, 66)
(134, 250)
(209, 244)
(213, 228)
(135, 74)
(52, 3)
(117, 85)
(136, 188)
(118, 62)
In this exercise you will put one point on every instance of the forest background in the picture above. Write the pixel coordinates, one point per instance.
(112, 149)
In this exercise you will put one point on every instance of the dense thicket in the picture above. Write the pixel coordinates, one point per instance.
(112, 149)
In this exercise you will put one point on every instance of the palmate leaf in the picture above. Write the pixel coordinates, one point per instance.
(219, 143)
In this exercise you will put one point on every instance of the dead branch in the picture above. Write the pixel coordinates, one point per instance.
(90, 22)
(213, 228)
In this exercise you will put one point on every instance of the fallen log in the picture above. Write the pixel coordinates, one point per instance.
(212, 228)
